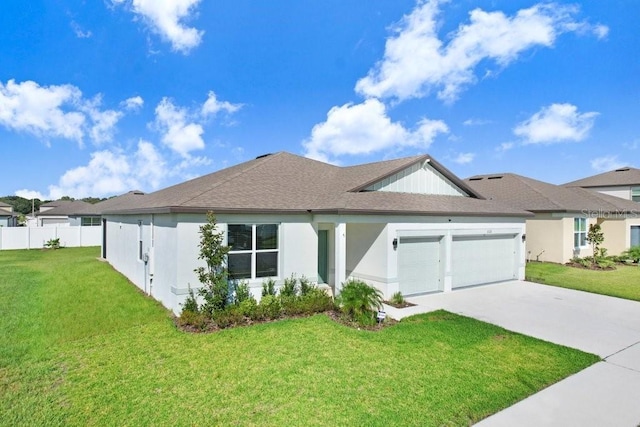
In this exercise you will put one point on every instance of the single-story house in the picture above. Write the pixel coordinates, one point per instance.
(65, 212)
(407, 225)
(623, 182)
(8, 218)
(559, 229)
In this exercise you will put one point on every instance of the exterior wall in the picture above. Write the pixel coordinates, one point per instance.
(420, 179)
(568, 251)
(5, 221)
(544, 240)
(367, 248)
(624, 192)
(53, 220)
(617, 234)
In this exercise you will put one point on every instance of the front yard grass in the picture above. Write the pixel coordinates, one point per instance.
(623, 282)
(79, 345)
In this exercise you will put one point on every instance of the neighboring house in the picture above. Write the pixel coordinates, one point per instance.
(623, 183)
(558, 231)
(406, 225)
(64, 212)
(8, 218)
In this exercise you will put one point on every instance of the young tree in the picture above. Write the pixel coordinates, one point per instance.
(595, 237)
(214, 275)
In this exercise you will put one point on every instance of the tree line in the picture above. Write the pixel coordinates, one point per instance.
(24, 206)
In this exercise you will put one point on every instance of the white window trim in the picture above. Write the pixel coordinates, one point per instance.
(586, 229)
(253, 251)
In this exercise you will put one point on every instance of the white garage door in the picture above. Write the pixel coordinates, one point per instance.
(419, 265)
(477, 260)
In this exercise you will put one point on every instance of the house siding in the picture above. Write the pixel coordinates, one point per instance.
(418, 179)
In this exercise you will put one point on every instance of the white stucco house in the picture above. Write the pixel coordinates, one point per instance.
(622, 182)
(8, 218)
(405, 225)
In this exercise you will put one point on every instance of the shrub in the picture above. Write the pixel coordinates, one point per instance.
(193, 320)
(53, 243)
(291, 305)
(359, 301)
(214, 276)
(632, 253)
(305, 285)
(242, 293)
(248, 307)
(605, 263)
(290, 287)
(228, 317)
(397, 298)
(190, 303)
(316, 300)
(269, 307)
(269, 287)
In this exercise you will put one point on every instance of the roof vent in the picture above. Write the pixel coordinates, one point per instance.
(479, 178)
(622, 169)
(263, 156)
(495, 177)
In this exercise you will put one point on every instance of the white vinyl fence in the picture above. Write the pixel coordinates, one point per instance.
(36, 237)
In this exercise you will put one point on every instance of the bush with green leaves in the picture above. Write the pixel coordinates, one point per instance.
(397, 298)
(242, 292)
(359, 301)
(632, 253)
(305, 285)
(269, 308)
(269, 287)
(214, 275)
(53, 243)
(190, 303)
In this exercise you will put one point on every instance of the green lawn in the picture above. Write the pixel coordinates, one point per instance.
(79, 345)
(623, 282)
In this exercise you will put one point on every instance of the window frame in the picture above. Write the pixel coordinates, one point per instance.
(91, 221)
(577, 232)
(254, 252)
(635, 194)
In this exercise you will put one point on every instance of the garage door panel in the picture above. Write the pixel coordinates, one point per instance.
(419, 265)
(482, 259)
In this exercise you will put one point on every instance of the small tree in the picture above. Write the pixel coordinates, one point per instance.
(595, 237)
(214, 275)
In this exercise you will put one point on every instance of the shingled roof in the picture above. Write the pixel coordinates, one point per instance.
(622, 176)
(538, 196)
(64, 208)
(287, 183)
(130, 199)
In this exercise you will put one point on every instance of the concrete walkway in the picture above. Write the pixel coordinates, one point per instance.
(605, 394)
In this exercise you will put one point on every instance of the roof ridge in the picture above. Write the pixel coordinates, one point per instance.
(258, 162)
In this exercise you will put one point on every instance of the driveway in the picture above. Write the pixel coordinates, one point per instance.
(606, 393)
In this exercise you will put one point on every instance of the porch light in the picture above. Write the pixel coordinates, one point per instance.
(524, 238)
(395, 243)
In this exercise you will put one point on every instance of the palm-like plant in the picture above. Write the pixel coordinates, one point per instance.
(359, 300)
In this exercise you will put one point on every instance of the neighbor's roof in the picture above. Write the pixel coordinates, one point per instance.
(622, 176)
(287, 183)
(5, 212)
(64, 208)
(538, 196)
(130, 199)
(4, 205)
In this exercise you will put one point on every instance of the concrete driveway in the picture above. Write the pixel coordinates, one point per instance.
(607, 393)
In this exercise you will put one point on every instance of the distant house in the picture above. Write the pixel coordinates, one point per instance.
(65, 212)
(558, 231)
(622, 182)
(8, 218)
(407, 225)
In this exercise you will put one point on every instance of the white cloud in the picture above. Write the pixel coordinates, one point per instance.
(30, 194)
(55, 112)
(416, 61)
(167, 18)
(556, 123)
(134, 103)
(505, 146)
(212, 106)
(112, 172)
(476, 122)
(179, 134)
(365, 128)
(79, 32)
(606, 163)
(464, 158)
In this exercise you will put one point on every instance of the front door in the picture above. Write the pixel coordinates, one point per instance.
(323, 249)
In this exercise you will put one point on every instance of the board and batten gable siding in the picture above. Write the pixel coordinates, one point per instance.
(420, 178)
(621, 191)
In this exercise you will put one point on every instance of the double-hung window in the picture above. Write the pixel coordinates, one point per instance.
(635, 194)
(253, 250)
(90, 221)
(579, 232)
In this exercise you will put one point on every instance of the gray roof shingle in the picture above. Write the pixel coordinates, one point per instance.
(621, 176)
(538, 196)
(288, 183)
(64, 208)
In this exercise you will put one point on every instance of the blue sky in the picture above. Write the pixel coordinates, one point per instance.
(101, 97)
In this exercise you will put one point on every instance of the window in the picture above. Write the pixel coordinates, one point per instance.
(89, 221)
(253, 250)
(635, 235)
(579, 232)
(635, 194)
